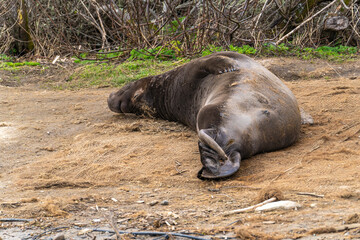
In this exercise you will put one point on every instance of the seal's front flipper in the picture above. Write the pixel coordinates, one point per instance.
(221, 64)
(216, 163)
(217, 63)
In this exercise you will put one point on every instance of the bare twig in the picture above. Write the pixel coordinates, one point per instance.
(15, 220)
(310, 194)
(112, 223)
(261, 13)
(247, 209)
(48, 231)
(187, 27)
(304, 22)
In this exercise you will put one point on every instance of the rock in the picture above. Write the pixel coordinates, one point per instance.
(165, 202)
(336, 23)
(269, 222)
(152, 203)
(80, 224)
(278, 205)
(60, 237)
(84, 231)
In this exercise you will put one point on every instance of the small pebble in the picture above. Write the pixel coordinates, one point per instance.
(268, 222)
(141, 201)
(84, 231)
(165, 203)
(96, 220)
(60, 237)
(79, 224)
(153, 203)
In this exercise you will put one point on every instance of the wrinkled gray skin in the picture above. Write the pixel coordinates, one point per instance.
(227, 97)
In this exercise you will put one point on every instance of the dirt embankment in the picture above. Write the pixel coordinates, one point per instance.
(66, 160)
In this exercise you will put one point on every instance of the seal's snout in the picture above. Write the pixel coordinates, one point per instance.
(114, 102)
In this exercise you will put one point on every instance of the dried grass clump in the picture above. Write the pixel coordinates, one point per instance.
(248, 233)
(268, 193)
(323, 230)
(53, 208)
(354, 218)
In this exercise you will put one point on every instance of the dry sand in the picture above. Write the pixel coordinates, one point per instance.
(66, 160)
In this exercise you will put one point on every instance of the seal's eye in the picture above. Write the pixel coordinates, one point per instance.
(266, 112)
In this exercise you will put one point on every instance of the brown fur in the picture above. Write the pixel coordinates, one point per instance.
(227, 97)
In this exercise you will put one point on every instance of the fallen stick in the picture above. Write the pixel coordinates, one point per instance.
(273, 199)
(48, 231)
(15, 220)
(303, 23)
(310, 194)
(56, 58)
(113, 225)
(343, 228)
(165, 234)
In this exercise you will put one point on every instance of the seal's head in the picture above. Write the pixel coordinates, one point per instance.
(129, 98)
(120, 101)
(217, 163)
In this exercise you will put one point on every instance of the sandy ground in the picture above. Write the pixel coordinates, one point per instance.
(67, 161)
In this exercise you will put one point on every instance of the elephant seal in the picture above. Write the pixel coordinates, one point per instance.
(237, 107)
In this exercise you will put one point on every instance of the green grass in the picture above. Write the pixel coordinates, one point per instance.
(19, 64)
(103, 75)
(5, 57)
(338, 53)
(15, 66)
(146, 62)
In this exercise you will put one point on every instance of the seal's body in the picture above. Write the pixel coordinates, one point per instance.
(237, 107)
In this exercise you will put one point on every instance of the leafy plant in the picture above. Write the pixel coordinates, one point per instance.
(337, 53)
(211, 49)
(13, 66)
(162, 53)
(103, 75)
(5, 57)
(173, 26)
(245, 49)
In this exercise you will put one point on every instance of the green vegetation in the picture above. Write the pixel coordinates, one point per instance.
(103, 75)
(14, 66)
(159, 53)
(146, 62)
(171, 52)
(245, 49)
(4, 57)
(339, 53)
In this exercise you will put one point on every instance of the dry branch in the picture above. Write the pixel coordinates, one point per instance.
(63, 27)
(310, 194)
(241, 210)
(304, 22)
